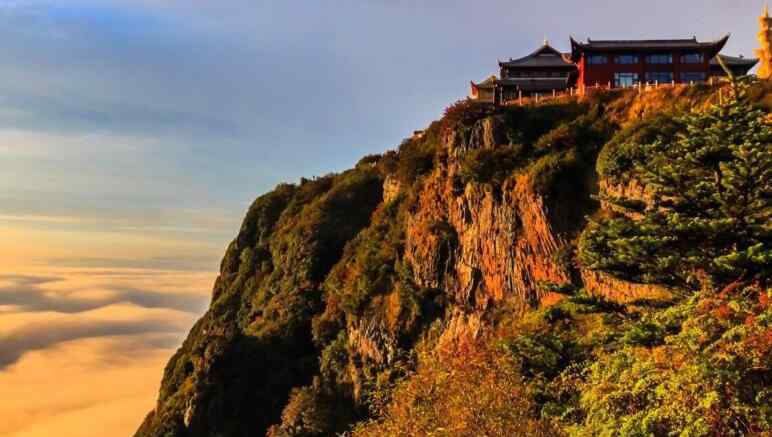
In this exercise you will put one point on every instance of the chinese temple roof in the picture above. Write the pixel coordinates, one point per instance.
(487, 83)
(735, 61)
(544, 56)
(647, 45)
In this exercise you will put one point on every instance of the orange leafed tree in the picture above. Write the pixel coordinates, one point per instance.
(765, 40)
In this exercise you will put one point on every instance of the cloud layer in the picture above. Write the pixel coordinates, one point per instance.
(87, 345)
(83, 388)
(71, 306)
(41, 311)
(28, 294)
(35, 337)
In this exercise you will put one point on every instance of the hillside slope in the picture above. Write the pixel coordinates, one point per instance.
(375, 298)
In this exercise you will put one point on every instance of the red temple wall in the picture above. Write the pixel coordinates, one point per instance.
(602, 74)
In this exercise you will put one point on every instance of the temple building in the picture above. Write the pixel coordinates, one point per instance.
(615, 63)
(542, 71)
(626, 63)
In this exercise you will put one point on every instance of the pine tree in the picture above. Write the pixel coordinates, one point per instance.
(710, 217)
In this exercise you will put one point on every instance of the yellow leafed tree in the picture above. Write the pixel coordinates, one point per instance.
(765, 51)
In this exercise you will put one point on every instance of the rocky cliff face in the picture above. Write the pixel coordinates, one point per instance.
(503, 243)
(331, 285)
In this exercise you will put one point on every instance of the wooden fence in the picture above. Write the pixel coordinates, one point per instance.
(576, 92)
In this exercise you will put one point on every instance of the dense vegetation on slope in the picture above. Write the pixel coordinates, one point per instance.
(455, 287)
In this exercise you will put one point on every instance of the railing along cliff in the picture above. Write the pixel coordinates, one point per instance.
(576, 92)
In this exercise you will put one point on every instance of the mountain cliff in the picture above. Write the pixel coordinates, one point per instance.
(461, 285)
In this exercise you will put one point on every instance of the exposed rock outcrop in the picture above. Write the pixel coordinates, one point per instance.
(493, 247)
(391, 188)
(485, 133)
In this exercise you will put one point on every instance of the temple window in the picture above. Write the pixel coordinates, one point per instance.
(659, 59)
(623, 80)
(626, 59)
(659, 77)
(597, 59)
(692, 58)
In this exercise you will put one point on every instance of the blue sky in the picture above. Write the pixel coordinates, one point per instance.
(200, 105)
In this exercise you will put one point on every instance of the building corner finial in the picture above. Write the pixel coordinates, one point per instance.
(546, 41)
(766, 9)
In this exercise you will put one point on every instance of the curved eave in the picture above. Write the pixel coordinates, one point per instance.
(575, 46)
(734, 62)
(719, 45)
(740, 64)
(483, 85)
(534, 53)
(713, 47)
(749, 63)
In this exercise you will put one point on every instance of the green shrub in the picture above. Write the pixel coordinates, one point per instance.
(567, 289)
(367, 267)
(712, 378)
(644, 334)
(527, 124)
(334, 359)
(555, 314)
(492, 166)
(711, 206)
(369, 160)
(547, 170)
(416, 158)
(463, 114)
(595, 303)
(539, 354)
(586, 133)
(620, 156)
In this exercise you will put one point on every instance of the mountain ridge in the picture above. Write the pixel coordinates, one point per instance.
(337, 291)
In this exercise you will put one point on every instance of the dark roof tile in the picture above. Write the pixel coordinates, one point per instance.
(735, 60)
(544, 56)
(646, 44)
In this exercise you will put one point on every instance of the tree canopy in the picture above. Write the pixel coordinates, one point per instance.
(708, 216)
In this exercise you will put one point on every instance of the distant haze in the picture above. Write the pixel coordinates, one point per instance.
(134, 134)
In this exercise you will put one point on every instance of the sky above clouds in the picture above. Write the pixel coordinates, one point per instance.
(134, 134)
